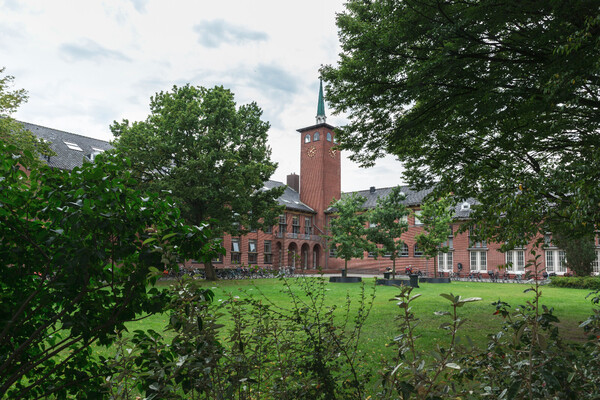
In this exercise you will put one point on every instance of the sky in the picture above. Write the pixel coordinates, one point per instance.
(86, 64)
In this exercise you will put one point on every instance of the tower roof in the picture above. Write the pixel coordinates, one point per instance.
(321, 105)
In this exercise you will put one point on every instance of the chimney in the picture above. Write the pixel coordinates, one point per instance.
(293, 181)
(372, 189)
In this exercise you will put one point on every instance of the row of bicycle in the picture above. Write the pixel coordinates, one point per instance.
(242, 272)
(495, 276)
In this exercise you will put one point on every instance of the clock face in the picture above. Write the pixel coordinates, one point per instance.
(312, 150)
(332, 152)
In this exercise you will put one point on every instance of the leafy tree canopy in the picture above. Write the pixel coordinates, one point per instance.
(580, 252)
(348, 232)
(210, 155)
(13, 132)
(77, 253)
(491, 100)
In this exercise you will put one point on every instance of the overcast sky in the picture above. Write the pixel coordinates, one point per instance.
(88, 63)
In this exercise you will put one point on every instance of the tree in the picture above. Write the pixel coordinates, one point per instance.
(491, 100)
(13, 132)
(209, 155)
(388, 223)
(580, 253)
(436, 216)
(348, 233)
(78, 252)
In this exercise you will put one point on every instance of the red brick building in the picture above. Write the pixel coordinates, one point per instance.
(298, 238)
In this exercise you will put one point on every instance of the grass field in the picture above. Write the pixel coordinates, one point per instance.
(376, 343)
(570, 306)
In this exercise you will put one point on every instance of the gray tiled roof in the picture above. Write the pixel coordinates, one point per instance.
(65, 157)
(290, 198)
(413, 198)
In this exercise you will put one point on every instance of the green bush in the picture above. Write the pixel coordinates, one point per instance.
(576, 282)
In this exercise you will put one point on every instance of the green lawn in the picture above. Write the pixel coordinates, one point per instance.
(570, 306)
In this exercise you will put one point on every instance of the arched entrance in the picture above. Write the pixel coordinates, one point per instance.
(292, 255)
(304, 256)
(316, 257)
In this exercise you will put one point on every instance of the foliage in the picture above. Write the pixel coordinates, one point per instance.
(436, 216)
(272, 352)
(496, 101)
(411, 375)
(348, 232)
(388, 223)
(77, 253)
(276, 349)
(210, 155)
(580, 252)
(576, 282)
(526, 359)
(13, 132)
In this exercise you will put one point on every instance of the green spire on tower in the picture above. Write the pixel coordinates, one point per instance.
(321, 105)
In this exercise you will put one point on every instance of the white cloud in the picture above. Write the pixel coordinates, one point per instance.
(88, 50)
(218, 32)
(86, 64)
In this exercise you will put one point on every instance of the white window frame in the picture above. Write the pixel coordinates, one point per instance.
(478, 261)
(417, 220)
(596, 264)
(445, 261)
(556, 261)
(515, 260)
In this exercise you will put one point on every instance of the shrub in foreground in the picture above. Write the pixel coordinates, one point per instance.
(303, 352)
(77, 251)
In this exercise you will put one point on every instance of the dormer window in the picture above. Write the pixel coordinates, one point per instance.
(307, 138)
(72, 146)
(316, 137)
(95, 152)
(329, 136)
(465, 206)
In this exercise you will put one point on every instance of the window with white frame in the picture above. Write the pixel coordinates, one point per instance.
(252, 252)
(556, 261)
(515, 260)
(596, 264)
(282, 225)
(295, 225)
(236, 256)
(445, 261)
(267, 252)
(403, 250)
(478, 260)
(417, 217)
(307, 226)
(332, 252)
(417, 252)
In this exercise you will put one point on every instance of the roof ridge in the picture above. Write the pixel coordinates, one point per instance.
(59, 130)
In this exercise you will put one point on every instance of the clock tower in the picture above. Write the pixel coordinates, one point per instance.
(320, 164)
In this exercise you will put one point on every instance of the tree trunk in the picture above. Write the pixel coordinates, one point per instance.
(394, 268)
(209, 271)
